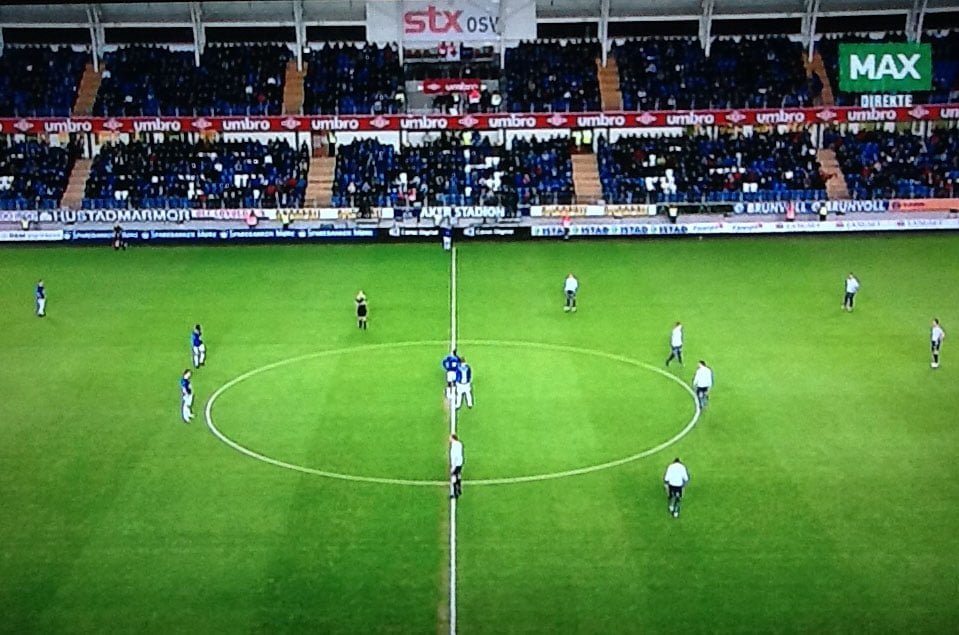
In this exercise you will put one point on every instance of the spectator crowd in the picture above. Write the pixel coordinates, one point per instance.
(208, 174)
(237, 80)
(463, 169)
(740, 72)
(552, 77)
(39, 81)
(33, 174)
(881, 164)
(728, 167)
(353, 80)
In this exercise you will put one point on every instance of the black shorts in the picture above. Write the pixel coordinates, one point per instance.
(675, 490)
(456, 471)
(702, 392)
(849, 299)
(361, 312)
(935, 346)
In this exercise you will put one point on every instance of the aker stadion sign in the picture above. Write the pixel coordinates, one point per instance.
(885, 68)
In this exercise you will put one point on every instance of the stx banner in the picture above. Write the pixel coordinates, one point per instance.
(499, 121)
(443, 86)
(899, 67)
(431, 22)
(434, 21)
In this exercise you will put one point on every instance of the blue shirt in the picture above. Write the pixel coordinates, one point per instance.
(185, 387)
(451, 362)
(464, 374)
(197, 339)
(41, 293)
(447, 232)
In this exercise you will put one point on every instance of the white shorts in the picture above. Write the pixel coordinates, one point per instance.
(199, 349)
(464, 388)
(188, 399)
(450, 376)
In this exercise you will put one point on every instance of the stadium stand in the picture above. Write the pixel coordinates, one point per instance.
(741, 72)
(231, 80)
(33, 174)
(454, 62)
(364, 169)
(945, 67)
(730, 167)
(208, 174)
(552, 77)
(880, 164)
(39, 81)
(448, 172)
(540, 171)
(352, 80)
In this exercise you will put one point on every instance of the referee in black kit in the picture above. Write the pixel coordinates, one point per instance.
(362, 310)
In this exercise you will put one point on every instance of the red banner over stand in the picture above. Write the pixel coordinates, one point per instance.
(444, 86)
(499, 121)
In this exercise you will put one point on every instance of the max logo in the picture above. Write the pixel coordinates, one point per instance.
(439, 21)
(898, 67)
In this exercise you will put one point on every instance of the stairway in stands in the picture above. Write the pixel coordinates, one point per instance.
(836, 187)
(817, 67)
(293, 89)
(610, 96)
(586, 184)
(319, 183)
(73, 194)
(87, 92)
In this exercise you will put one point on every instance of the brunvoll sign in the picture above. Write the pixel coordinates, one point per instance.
(900, 67)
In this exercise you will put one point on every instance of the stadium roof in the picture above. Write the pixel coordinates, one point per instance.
(267, 13)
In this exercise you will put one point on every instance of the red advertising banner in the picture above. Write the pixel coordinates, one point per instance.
(498, 121)
(924, 205)
(443, 86)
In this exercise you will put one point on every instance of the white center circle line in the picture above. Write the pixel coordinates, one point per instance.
(208, 412)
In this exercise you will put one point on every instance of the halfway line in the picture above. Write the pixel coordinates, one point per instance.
(452, 431)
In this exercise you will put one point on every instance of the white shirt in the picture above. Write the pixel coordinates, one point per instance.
(938, 334)
(703, 377)
(676, 339)
(676, 475)
(456, 453)
(852, 285)
(572, 284)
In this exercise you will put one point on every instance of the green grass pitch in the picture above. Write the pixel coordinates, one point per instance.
(825, 482)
